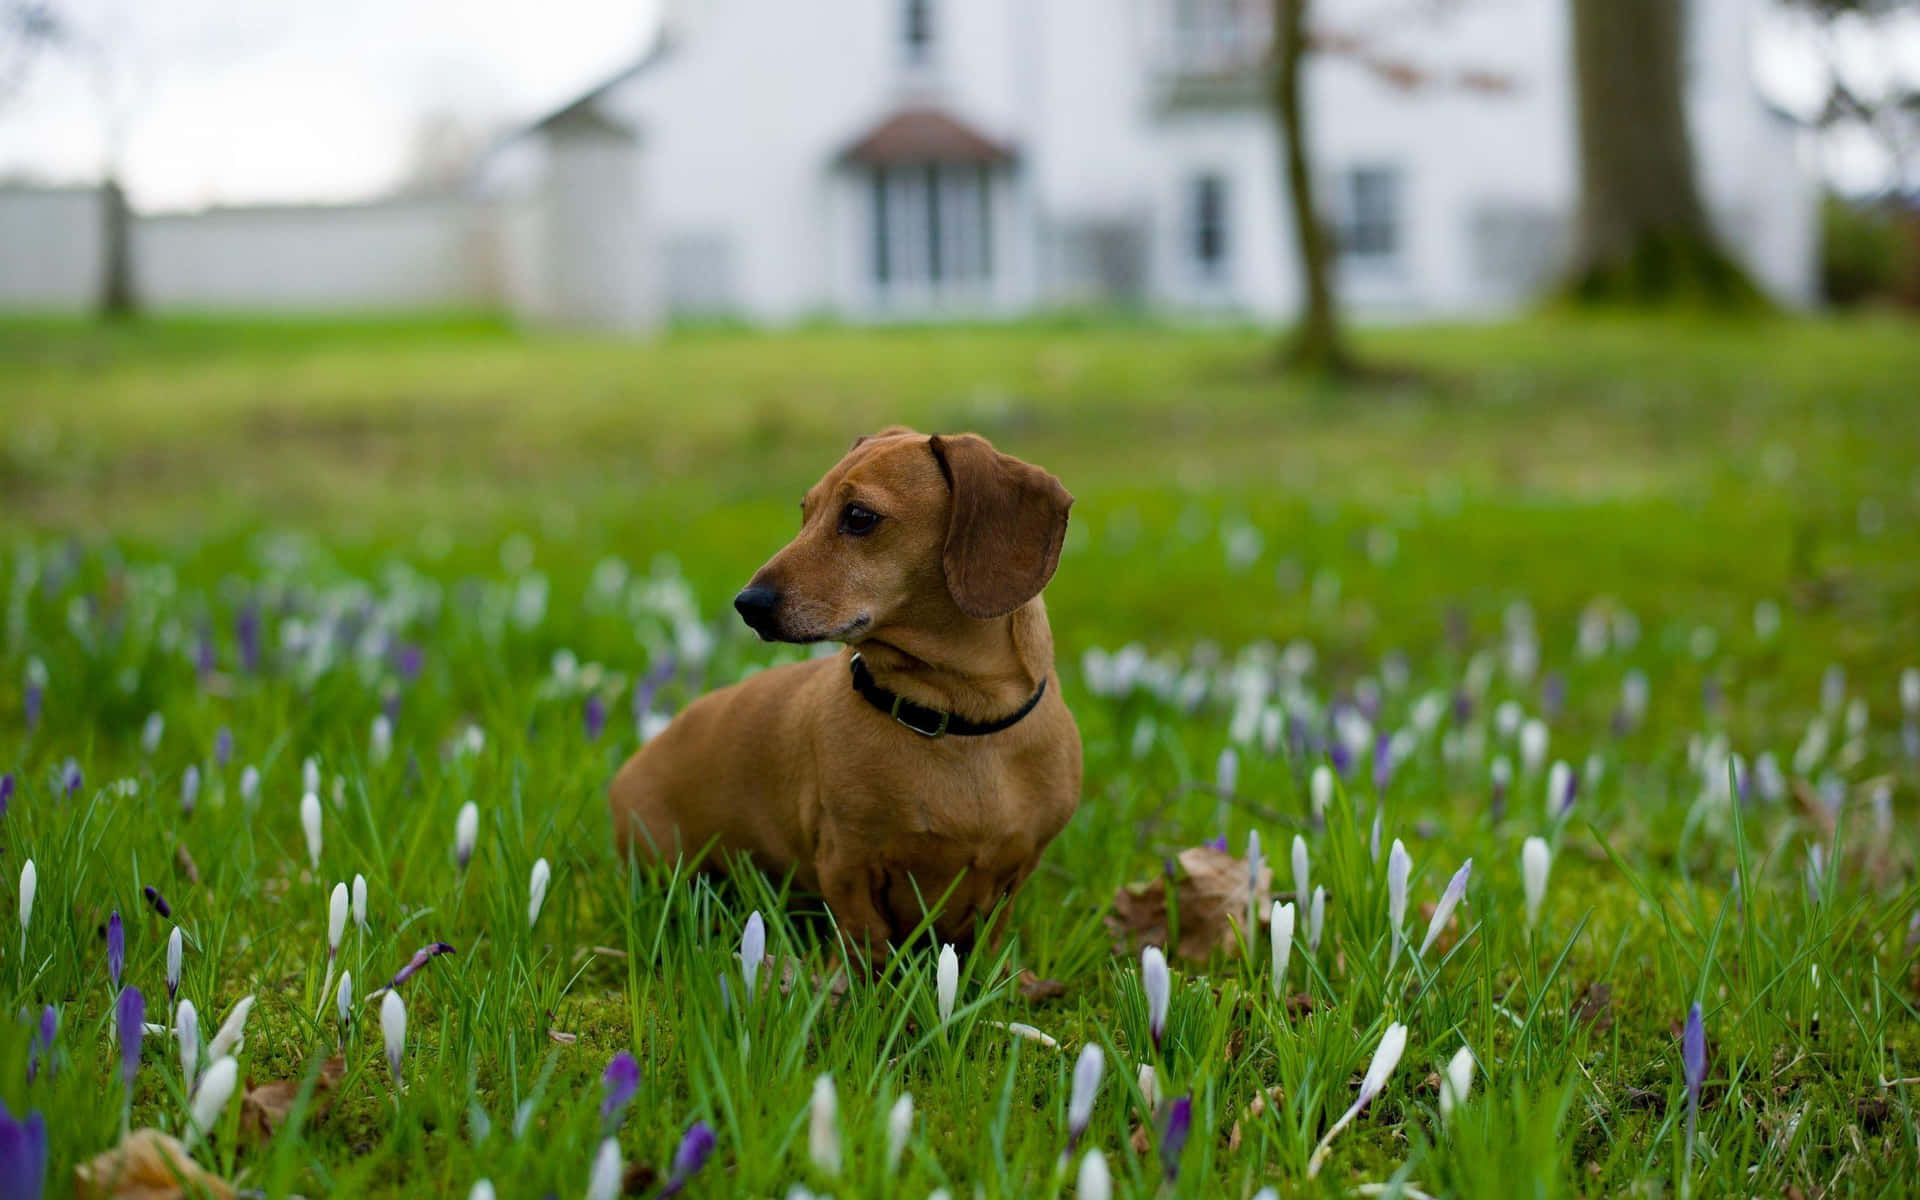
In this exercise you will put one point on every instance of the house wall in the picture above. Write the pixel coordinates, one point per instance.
(50, 249)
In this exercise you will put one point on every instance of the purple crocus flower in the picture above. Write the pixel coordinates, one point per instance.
(23, 1155)
(1219, 843)
(30, 705)
(204, 660)
(1553, 695)
(1341, 757)
(223, 747)
(408, 661)
(246, 632)
(1173, 1136)
(1693, 1058)
(621, 1081)
(70, 778)
(6, 792)
(1462, 707)
(42, 1042)
(1382, 763)
(156, 901)
(696, 1146)
(421, 958)
(594, 716)
(130, 1016)
(116, 947)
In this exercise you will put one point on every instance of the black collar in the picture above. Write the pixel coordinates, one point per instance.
(931, 722)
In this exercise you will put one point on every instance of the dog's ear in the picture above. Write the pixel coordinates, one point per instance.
(889, 431)
(1009, 520)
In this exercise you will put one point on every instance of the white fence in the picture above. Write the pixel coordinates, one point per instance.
(400, 255)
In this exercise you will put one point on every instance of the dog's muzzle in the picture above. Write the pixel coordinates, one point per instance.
(756, 606)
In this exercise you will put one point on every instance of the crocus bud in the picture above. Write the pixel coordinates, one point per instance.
(189, 789)
(1226, 772)
(899, 1128)
(232, 1035)
(618, 1083)
(1385, 1058)
(1399, 868)
(946, 982)
(1095, 1181)
(186, 1031)
(537, 890)
(1158, 986)
(1559, 789)
(1087, 1070)
(696, 1146)
(466, 832)
(1535, 861)
(1455, 1083)
(1320, 789)
(360, 902)
(130, 1014)
(116, 947)
(210, 1099)
(1173, 1137)
(1533, 745)
(1910, 691)
(1280, 933)
(29, 884)
(604, 1183)
(310, 823)
(1316, 919)
(393, 1029)
(249, 785)
(753, 950)
(1693, 1059)
(482, 1190)
(310, 775)
(343, 1000)
(336, 919)
(1449, 900)
(380, 741)
(176, 949)
(152, 732)
(823, 1127)
(1148, 1081)
(1302, 887)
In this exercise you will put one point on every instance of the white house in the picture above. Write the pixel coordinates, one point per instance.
(915, 159)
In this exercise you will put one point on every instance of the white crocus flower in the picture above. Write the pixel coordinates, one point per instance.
(1087, 1070)
(1385, 1058)
(1095, 1182)
(1533, 745)
(466, 833)
(537, 890)
(753, 950)
(393, 1030)
(249, 785)
(1449, 900)
(310, 823)
(210, 1099)
(360, 902)
(176, 950)
(1399, 869)
(604, 1183)
(310, 775)
(380, 746)
(1455, 1083)
(343, 1000)
(1302, 889)
(1316, 919)
(946, 982)
(186, 1031)
(1157, 985)
(29, 884)
(1148, 1081)
(1321, 791)
(232, 1035)
(899, 1128)
(1280, 932)
(823, 1127)
(336, 919)
(1535, 861)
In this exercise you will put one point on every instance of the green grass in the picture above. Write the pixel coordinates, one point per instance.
(511, 505)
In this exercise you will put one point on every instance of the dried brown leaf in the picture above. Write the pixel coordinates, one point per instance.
(183, 863)
(148, 1165)
(1210, 900)
(1035, 990)
(1595, 1006)
(266, 1107)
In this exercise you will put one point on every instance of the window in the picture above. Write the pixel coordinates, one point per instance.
(1372, 228)
(916, 31)
(1207, 224)
(932, 225)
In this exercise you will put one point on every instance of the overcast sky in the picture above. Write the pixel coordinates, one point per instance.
(239, 101)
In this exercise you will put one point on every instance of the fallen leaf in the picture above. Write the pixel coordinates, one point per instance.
(1299, 1004)
(1253, 1112)
(183, 863)
(1595, 1006)
(148, 1165)
(1873, 1112)
(1035, 990)
(1210, 903)
(267, 1107)
(563, 1037)
(638, 1179)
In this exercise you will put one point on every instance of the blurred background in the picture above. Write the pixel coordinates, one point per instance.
(623, 164)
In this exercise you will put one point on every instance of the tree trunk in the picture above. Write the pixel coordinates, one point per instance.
(1643, 236)
(117, 298)
(1317, 343)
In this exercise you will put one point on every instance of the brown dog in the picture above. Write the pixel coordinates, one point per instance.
(935, 757)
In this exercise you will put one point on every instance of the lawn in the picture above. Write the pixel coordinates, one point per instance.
(1670, 568)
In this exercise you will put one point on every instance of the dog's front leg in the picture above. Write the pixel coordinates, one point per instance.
(864, 932)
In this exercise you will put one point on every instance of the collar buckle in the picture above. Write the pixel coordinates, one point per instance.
(937, 731)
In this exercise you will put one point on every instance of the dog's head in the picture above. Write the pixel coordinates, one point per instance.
(910, 530)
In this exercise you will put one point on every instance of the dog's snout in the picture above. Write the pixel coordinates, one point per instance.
(756, 605)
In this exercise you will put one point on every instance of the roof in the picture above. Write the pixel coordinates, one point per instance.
(583, 113)
(919, 135)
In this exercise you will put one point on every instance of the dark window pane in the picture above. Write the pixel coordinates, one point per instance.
(882, 258)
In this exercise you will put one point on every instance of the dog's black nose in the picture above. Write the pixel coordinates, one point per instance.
(755, 606)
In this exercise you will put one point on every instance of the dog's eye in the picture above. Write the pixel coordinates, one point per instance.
(858, 521)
